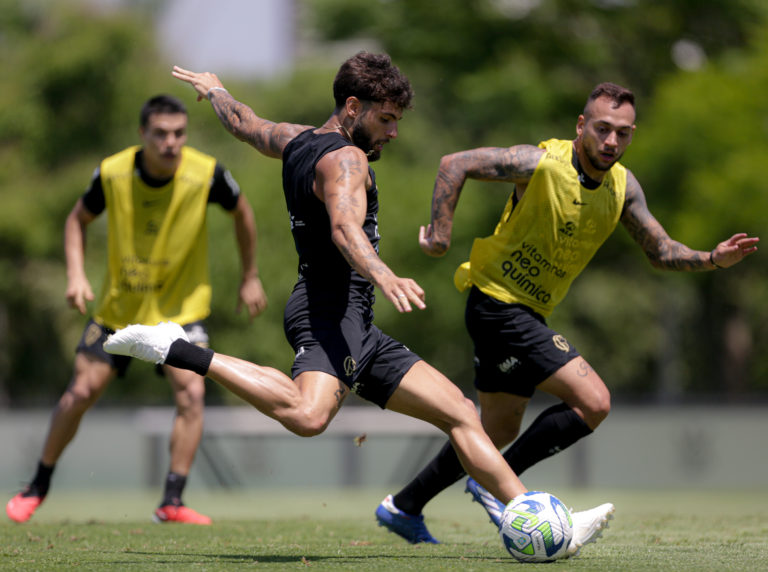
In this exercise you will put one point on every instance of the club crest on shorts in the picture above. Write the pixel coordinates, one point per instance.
(561, 343)
(350, 365)
(92, 334)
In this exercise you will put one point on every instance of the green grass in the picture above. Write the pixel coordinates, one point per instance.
(335, 530)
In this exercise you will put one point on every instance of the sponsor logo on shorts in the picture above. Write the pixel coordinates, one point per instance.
(356, 387)
(92, 334)
(300, 352)
(509, 364)
(350, 365)
(561, 343)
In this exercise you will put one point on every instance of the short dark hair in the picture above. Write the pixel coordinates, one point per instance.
(371, 77)
(617, 94)
(160, 104)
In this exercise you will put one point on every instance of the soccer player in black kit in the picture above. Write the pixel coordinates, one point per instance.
(331, 195)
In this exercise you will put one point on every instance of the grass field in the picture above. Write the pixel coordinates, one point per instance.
(335, 530)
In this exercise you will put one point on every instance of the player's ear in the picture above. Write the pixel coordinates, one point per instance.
(353, 106)
(580, 125)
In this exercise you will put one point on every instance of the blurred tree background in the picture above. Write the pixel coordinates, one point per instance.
(486, 73)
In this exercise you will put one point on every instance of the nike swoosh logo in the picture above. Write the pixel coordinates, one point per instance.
(578, 202)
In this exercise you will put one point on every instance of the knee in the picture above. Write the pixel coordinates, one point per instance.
(78, 398)
(308, 423)
(502, 434)
(191, 397)
(597, 410)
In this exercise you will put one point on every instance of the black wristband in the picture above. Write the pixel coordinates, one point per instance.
(712, 260)
(185, 355)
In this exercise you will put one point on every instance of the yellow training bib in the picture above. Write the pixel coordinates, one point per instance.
(539, 247)
(157, 243)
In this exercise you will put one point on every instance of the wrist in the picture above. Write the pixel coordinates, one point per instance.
(214, 88)
(712, 260)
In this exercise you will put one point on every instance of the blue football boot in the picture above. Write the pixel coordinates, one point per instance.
(411, 528)
(493, 507)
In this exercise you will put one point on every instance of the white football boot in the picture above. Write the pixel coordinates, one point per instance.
(588, 526)
(148, 343)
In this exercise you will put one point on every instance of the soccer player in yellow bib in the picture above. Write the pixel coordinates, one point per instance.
(567, 199)
(156, 197)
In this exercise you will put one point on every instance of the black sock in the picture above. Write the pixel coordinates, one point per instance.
(185, 355)
(442, 471)
(557, 428)
(42, 481)
(174, 486)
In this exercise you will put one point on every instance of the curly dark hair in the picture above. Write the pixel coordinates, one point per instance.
(160, 104)
(371, 77)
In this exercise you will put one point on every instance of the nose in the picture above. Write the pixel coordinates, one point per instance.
(612, 139)
(392, 131)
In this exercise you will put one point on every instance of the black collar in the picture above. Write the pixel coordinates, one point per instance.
(145, 176)
(585, 180)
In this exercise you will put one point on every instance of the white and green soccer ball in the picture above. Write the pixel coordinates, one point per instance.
(536, 527)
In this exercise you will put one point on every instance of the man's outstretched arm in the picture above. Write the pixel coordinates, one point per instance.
(268, 137)
(668, 254)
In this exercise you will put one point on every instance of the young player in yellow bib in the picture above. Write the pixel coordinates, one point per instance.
(567, 199)
(156, 199)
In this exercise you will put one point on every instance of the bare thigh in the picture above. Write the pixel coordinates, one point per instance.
(425, 393)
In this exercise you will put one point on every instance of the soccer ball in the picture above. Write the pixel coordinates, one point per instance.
(536, 527)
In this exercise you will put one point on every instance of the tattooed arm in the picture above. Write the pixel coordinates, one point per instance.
(341, 180)
(268, 137)
(514, 164)
(667, 254)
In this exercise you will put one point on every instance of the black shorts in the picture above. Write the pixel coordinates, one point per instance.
(94, 336)
(515, 350)
(348, 347)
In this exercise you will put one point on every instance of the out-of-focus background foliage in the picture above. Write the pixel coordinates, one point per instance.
(486, 73)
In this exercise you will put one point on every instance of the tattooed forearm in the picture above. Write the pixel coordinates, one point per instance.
(662, 251)
(445, 197)
(268, 137)
(359, 253)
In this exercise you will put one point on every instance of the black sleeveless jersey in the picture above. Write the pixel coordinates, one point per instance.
(321, 265)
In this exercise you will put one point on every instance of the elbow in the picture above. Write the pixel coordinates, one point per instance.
(659, 261)
(439, 248)
(340, 238)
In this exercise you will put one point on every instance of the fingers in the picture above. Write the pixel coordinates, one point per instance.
(408, 293)
(77, 302)
(257, 307)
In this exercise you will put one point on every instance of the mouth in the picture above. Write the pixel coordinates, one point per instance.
(607, 157)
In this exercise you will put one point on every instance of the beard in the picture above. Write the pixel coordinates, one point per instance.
(597, 163)
(362, 139)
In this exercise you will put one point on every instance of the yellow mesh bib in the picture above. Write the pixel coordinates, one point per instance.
(157, 243)
(538, 249)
